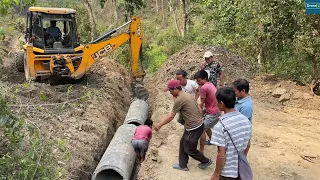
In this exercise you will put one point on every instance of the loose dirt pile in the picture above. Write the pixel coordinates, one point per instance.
(85, 116)
(285, 143)
(270, 89)
(191, 58)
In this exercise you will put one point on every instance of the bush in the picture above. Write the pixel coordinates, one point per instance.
(2, 34)
(24, 154)
(155, 57)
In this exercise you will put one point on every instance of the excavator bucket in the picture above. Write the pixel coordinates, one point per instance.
(139, 91)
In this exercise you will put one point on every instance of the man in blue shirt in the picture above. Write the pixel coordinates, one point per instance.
(244, 102)
(54, 31)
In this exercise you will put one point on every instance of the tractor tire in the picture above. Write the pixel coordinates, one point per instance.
(19, 61)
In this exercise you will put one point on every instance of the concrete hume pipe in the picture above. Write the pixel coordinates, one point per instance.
(118, 160)
(138, 112)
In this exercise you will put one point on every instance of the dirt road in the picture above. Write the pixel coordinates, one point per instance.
(285, 143)
(286, 136)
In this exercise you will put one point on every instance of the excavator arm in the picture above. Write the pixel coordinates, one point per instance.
(102, 46)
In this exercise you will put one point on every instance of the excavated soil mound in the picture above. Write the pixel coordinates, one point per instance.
(191, 58)
(85, 116)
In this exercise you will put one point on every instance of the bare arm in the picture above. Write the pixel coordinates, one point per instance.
(203, 65)
(221, 79)
(166, 120)
(220, 162)
(201, 105)
(197, 93)
(248, 147)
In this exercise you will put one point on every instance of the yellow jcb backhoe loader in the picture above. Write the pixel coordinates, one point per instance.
(52, 46)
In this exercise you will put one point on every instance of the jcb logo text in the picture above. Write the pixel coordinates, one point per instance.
(102, 52)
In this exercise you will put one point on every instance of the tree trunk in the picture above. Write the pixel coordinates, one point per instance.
(20, 7)
(170, 7)
(162, 9)
(314, 67)
(263, 59)
(174, 9)
(157, 7)
(184, 17)
(116, 12)
(92, 21)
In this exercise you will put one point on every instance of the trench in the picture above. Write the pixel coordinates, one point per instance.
(119, 160)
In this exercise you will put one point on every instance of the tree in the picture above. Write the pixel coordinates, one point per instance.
(92, 21)
(128, 5)
(6, 4)
(173, 9)
(184, 17)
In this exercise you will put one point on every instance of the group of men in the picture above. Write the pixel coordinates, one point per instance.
(205, 107)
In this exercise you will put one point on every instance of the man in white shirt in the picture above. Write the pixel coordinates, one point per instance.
(188, 86)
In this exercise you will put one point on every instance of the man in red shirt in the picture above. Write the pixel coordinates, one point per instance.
(141, 139)
(208, 101)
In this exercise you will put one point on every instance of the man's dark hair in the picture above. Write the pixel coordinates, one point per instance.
(241, 84)
(148, 122)
(202, 74)
(182, 72)
(227, 96)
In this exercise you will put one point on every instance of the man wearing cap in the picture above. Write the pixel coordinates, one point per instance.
(213, 69)
(186, 104)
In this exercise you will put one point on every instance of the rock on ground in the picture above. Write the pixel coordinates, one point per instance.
(284, 97)
(278, 92)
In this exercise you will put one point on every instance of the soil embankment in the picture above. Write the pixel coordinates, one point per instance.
(84, 116)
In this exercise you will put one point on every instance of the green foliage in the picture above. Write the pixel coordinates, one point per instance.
(122, 55)
(24, 154)
(129, 6)
(42, 96)
(279, 31)
(6, 4)
(154, 56)
(83, 23)
(2, 34)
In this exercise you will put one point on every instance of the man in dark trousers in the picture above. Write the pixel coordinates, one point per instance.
(186, 104)
(208, 102)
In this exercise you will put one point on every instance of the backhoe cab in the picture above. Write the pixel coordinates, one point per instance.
(52, 47)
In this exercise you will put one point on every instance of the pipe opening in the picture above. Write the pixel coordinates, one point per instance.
(134, 123)
(109, 174)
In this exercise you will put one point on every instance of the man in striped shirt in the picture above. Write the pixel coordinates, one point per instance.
(240, 130)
